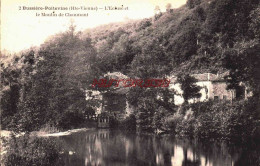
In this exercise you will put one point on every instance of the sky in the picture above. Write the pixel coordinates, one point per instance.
(22, 29)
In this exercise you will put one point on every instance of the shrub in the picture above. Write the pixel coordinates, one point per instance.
(240, 120)
(159, 119)
(215, 119)
(71, 119)
(186, 125)
(129, 124)
(172, 121)
(29, 150)
(206, 125)
(226, 119)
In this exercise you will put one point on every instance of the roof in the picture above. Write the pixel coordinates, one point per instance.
(203, 77)
(118, 76)
(200, 77)
(210, 76)
(120, 90)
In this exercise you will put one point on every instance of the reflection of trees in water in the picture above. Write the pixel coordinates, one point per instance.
(87, 147)
(188, 162)
(250, 155)
(191, 163)
(154, 151)
(104, 147)
(219, 153)
(203, 153)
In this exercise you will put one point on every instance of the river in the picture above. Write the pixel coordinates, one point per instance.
(113, 148)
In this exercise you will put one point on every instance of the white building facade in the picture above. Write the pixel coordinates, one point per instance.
(212, 87)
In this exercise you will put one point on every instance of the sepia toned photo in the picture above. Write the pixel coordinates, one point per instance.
(130, 83)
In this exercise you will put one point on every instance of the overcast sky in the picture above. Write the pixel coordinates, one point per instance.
(21, 29)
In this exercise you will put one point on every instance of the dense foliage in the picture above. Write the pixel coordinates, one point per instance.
(48, 86)
(189, 87)
(29, 150)
(215, 120)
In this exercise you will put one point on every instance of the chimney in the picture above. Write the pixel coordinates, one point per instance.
(208, 76)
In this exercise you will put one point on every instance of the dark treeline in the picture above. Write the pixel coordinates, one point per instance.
(46, 86)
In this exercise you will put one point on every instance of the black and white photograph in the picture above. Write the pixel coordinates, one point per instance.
(130, 83)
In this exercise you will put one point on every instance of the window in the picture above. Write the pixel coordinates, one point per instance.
(115, 101)
(207, 92)
(224, 97)
(216, 97)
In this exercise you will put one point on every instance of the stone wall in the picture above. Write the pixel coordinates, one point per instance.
(219, 91)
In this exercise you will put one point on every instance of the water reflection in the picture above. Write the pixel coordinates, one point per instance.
(104, 147)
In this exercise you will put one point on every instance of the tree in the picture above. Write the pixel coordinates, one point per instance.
(168, 7)
(192, 3)
(157, 12)
(10, 93)
(123, 53)
(254, 24)
(151, 63)
(157, 9)
(189, 87)
(16, 78)
(243, 59)
(57, 95)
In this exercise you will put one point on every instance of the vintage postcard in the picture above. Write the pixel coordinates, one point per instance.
(130, 83)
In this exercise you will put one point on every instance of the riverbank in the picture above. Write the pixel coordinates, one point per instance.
(57, 134)
(113, 147)
(208, 120)
(224, 120)
(7, 134)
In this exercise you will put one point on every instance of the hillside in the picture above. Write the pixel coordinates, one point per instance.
(192, 37)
